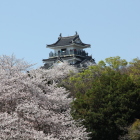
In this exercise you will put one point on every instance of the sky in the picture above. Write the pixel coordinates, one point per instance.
(111, 27)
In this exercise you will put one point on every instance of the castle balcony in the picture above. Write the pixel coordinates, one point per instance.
(68, 53)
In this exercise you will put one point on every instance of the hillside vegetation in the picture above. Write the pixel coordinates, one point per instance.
(107, 98)
(99, 103)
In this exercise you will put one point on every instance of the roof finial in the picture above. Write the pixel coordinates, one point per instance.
(76, 33)
(60, 36)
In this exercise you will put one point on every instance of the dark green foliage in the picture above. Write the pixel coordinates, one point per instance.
(107, 102)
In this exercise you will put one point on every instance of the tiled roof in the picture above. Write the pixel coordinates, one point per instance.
(77, 64)
(68, 57)
(62, 41)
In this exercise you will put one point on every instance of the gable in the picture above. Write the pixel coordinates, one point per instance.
(78, 41)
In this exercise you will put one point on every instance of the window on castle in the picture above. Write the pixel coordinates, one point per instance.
(63, 50)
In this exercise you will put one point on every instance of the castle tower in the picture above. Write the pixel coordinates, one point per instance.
(68, 49)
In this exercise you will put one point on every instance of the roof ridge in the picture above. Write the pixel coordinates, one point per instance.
(69, 36)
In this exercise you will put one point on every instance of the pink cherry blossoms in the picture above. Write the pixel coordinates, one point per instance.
(30, 109)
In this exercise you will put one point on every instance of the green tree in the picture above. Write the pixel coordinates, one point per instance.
(116, 62)
(81, 82)
(134, 70)
(109, 101)
(102, 63)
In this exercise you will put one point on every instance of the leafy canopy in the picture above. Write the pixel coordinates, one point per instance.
(106, 98)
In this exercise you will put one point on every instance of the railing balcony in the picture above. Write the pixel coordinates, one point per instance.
(68, 53)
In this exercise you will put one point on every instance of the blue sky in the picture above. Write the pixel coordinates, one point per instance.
(112, 27)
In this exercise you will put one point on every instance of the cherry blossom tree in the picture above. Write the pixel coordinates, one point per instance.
(26, 112)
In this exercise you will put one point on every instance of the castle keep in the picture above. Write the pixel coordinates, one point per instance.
(68, 49)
